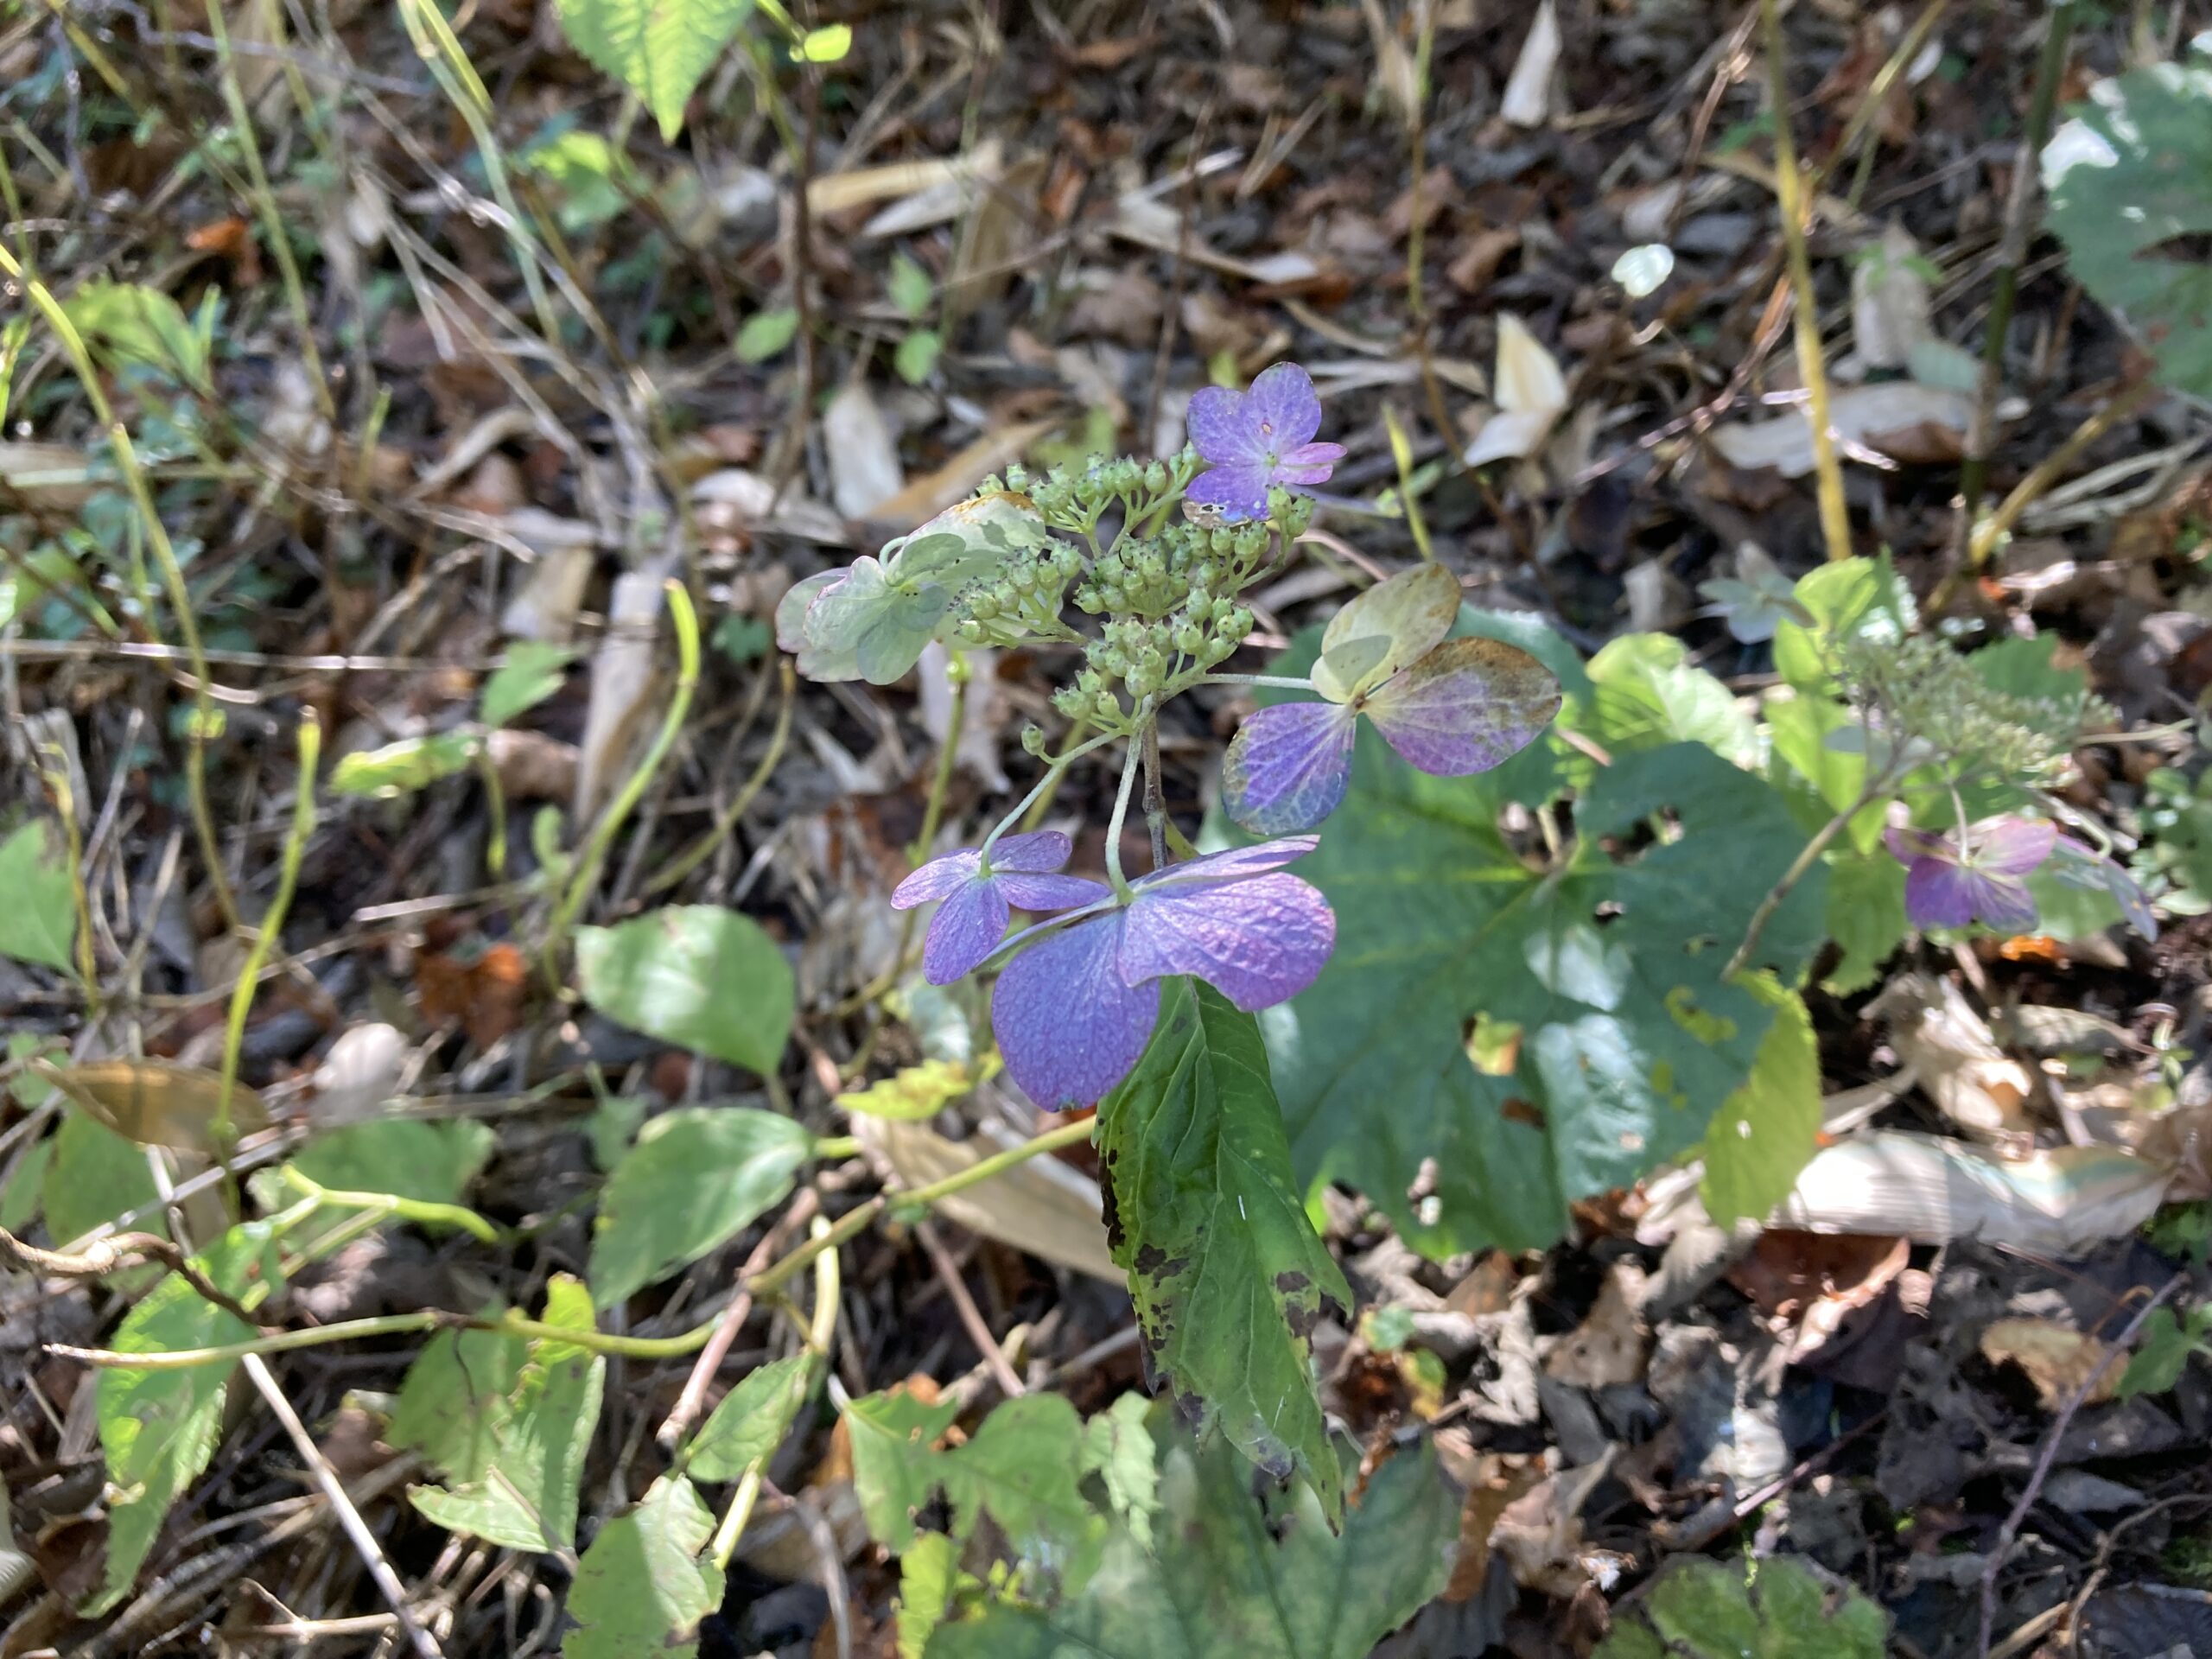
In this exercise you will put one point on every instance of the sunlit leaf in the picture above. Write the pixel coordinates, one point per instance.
(695, 1177)
(1649, 693)
(1766, 1132)
(829, 44)
(660, 50)
(128, 322)
(642, 1588)
(1228, 1275)
(1774, 1608)
(696, 976)
(765, 334)
(918, 1092)
(456, 1400)
(1117, 1446)
(752, 1419)
(39, 922)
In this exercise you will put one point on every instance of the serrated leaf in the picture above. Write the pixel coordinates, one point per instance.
(526, 1497)
(928, 1578)
(752, 1419)
(660, 50)
(1647, 692)
(39, 922)
(128, 322)
(1611, 964)
(695, 1178)
(407, 1158)
(411, 764)
(765, 334)
(158, 1429)
(641, 1587)
(696, 976)
(917, 1092)
(1766, 1132)
(1703, 1609)
(532, 672)
(1799, 730)
(913, 290)
(1228, 1275)
(95, 1176)
(2130, 180)
(1117, 1447)
(1238, 1580)
(1020, 1468)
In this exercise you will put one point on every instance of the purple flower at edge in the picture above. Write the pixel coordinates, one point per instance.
(1073, 1013)
(978, 903)
(1949, 886)
(1257, 439)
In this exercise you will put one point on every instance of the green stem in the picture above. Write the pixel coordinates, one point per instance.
(689, 1341)
(1114, 827)
(1873, 789)
(1043, 786)
(495, 807)
(593, 856)
(421, 1211)
(948, 752)
(265, 937)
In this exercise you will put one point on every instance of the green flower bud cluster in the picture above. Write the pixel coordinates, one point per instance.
(1021, 599)
(1922, 690)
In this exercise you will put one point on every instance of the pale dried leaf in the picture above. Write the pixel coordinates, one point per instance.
(1042, 1206)
(1889, 301)
(864, 469)
(623, 671)
(1528, 91)
(2057, 1359)
(1887, 418)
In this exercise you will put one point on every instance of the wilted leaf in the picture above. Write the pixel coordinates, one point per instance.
(641, 1588)
(660, 50)
(696, 976)
(526, 1496)
(39, 922)
(531, 671)
(1383, 629)
(695, 1177)
(1531, 392)
(1228, 1275)
(159, 1428)
(2058, 1360)
(159, 1103)
(752, 1419)
(1236, 1579)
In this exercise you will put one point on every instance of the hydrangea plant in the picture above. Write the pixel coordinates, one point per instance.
(1136, 571)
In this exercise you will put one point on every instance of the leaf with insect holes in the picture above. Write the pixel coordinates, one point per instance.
(158, 1429)
(2130, 180)
(39, 922)
(695, 1178)
(526, 1497)
(642, 1588)
(660, 50)
(1239, 1575)
(1228, 1275)
(531, 672)
(696, 976)
(752, 1419)
(1766, 1132)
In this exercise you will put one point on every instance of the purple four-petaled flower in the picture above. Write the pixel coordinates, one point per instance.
(1257, 439)
(979, 899)
(1073, 1012)
(1948, 884)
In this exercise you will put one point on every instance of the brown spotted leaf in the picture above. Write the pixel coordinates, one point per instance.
(1228, 1275)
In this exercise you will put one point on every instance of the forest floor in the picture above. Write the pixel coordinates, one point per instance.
(998, 232)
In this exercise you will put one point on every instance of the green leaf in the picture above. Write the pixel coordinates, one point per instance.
(913, 290)
(159, 1428)
(641, 1587)
(660, 50)
(1851, 599)
(96, 1176)
(1648, 692)
(1117, 1447)
(1237, 1580)
(765, 334)
(407, 1158)
(19, 1193)
(127, 322)
(743, 638)
(526, 1496)
(881, 627)
(695, 1178)
(829, 44)
(696, 976)
(1227, 1273)
(531, 672)
(2162, 1352)
(403, 768)
(1866, 916)
(39, 922)
(456, 1400)
(1766, 1132)
(587, 174)
(915, 1093)
(1021, 1469)
(917, 356)
(1798, 729)
(752, 1419)
(2129, 180)
(928, 1578)
(1705, 1610)
(1611, 964)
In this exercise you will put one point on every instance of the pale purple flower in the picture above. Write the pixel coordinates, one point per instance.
(1073, 1012)
(1949, 886)
(1461, 707)
(1257, 439)
(2078, 864)
(979, 900)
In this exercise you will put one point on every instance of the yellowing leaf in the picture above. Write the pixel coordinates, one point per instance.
(918, 1092)
(1383, 629)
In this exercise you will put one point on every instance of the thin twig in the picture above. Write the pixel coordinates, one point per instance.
(693, 1400)
(2010, 1532)
(971, 1317)
(107, 1255)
